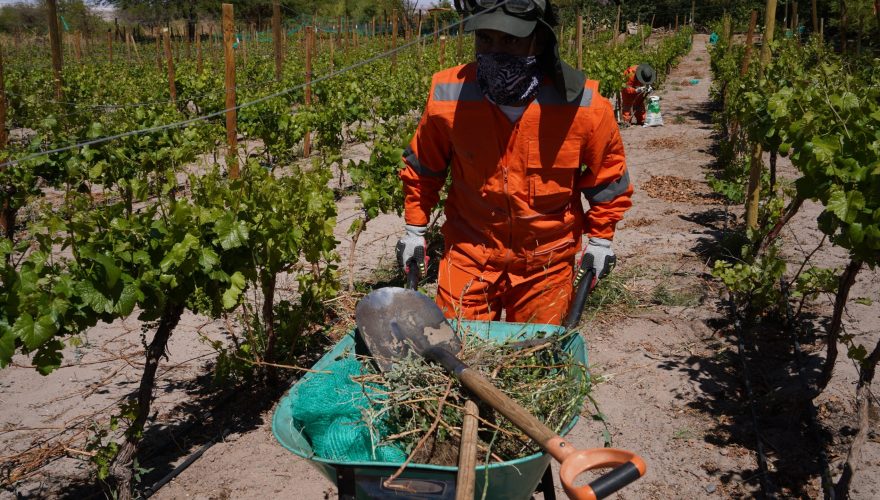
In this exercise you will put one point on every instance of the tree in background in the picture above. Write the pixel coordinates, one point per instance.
(31, 17)
(258, 12)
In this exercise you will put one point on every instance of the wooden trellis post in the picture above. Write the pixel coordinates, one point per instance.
(55, 41)
(753, 193)
(616, 27)
(199, 55)
(77, 47)
(158, 52)
(815, 18)
(394, 40)
(460, 36)
(169, 57)
(6, 225)
(276, 38)
(127, 45)
(3, 136)
(310, 46)
(747, 56)
(580, 42)
(231, 116)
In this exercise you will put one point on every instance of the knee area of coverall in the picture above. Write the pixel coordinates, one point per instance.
(461, 295)
(540, 299)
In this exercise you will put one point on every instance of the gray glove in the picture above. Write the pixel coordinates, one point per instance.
(412, 245)
(600, 256)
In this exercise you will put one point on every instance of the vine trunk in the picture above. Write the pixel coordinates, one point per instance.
(269, 281)
(863, 398)
(846, 281)
(351, 256)
(122, 468)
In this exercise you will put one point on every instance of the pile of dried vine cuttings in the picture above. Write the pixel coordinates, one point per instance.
(539, 374)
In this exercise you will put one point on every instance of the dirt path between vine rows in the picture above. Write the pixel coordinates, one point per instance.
(671, 385)
(669, 378)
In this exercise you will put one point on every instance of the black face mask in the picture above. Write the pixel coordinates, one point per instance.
(507, 79)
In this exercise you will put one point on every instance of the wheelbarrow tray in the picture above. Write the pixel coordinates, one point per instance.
(510, 480)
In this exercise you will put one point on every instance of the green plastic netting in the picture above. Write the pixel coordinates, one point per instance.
(327, 408)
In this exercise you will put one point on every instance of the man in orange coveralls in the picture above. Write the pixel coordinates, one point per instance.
(523, 135)
(639, 79)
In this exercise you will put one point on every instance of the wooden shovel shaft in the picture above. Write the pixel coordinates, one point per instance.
(492, 396)
(467, 453)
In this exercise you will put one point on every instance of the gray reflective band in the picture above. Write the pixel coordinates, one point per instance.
(548, 95)
(416, 165)
(586, 98)
(468, 91)
(608, 191)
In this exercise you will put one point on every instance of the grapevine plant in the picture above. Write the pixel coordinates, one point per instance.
(823, 112)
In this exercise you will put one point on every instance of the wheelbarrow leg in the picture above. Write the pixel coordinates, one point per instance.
(345, 483)
(546, 486)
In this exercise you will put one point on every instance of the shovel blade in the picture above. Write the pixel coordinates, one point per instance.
(394, 322)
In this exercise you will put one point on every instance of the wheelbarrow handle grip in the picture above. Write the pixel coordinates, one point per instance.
(584, 282)
(627, 468)
(414, 268)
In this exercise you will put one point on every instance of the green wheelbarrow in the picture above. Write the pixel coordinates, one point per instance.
(510, 480)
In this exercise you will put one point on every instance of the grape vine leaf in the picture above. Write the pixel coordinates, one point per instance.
(34, 333)
(236, 286)
(49, 357)
(93, 297)
(231, 233)
(7, 344)
(846, 206)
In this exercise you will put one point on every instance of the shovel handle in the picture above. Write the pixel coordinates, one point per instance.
(573, 461)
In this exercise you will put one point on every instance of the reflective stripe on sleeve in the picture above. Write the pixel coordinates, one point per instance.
(608, 191)
(586, 98)
(413, 161)
(467, 91)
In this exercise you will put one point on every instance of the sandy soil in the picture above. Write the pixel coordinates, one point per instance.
(670, 379)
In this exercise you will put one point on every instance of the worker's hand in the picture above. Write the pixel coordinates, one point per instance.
(412, 244)
(643, 89)
(648, 89)
(599, 256)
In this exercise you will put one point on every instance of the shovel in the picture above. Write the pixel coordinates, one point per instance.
(465, 481)
(394, 322)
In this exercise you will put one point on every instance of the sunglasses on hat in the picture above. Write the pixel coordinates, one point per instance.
(523, 9)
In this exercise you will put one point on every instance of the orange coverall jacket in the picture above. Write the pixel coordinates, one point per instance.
(632, 100)
(514, 203)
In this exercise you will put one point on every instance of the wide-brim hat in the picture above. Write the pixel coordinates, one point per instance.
(501, 21)
(645, 74)
(498, 19)
(568, 81)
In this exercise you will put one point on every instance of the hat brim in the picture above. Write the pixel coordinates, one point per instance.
(500, 21)
(645, 74)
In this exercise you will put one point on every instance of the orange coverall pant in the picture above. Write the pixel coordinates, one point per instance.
(542, 298)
